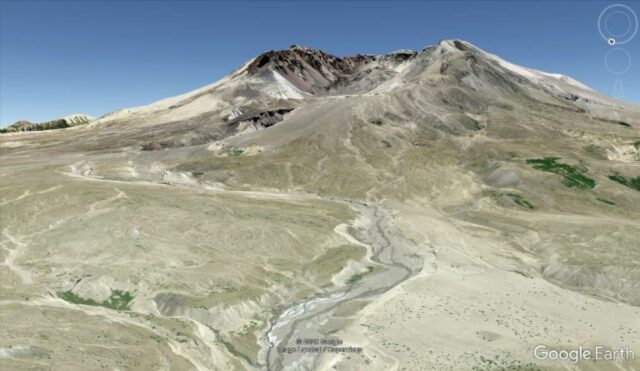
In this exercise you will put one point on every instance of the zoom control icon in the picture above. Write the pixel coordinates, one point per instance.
(618, 24)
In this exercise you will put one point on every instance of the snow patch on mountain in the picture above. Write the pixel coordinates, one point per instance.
(283, 89)
(535, 75)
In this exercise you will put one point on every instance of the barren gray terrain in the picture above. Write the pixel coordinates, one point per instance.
(432, 210)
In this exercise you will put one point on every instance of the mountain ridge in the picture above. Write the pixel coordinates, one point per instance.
(61, 123)
(300, 72)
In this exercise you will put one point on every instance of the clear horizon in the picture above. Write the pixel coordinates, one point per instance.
(59, 58)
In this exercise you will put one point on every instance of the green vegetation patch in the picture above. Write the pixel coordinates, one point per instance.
(358, 276)
(572, 176)
(633, 183)
(230, 347)
(333, 260)
(637, 144)
(472, 124)
(119, 300)
(596, 152)
(386, 144)
(236, 151)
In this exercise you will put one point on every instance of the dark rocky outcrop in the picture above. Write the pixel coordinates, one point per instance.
(310, 70)
(263, 119)
(296, 58)
(155, 146)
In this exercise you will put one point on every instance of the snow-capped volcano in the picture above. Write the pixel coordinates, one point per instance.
(299, 73)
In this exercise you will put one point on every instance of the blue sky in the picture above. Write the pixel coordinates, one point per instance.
(93, 57)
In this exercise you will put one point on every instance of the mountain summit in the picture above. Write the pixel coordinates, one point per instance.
(452, 67)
